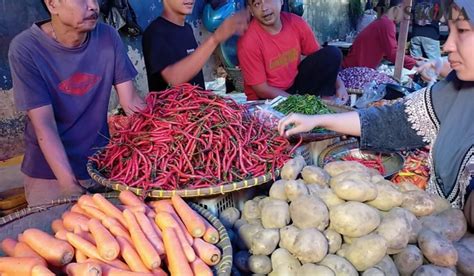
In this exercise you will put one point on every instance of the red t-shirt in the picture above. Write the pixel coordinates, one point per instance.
(376, 42)
(274, 59)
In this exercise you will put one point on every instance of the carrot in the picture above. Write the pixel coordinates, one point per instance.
(86, 200)
(72, 219)
(192, 220)
(77, 209)
(166, 220)
(165, 205)
(8, 246)
(83, 269)
(61, 235)
(117, 264)
(145, 249)
(150, 213)
(131, 257)
(93, 212)
(80, 257)
(211, 235)
(112, 271)
(108, 208)
(107, 245)
(200, 268)
(23, 250)
(85, 235)
(57, 225)
(130, 199)
(18, 266)
(159, 272)
(209, 253)
(177, 261)
(54, 251)
(149, 231)
(116, 228)
(83, 245)
(41, 270)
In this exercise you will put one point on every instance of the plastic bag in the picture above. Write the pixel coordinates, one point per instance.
(372, 93)
(267, 116)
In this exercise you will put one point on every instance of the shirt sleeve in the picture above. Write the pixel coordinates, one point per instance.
(387, 129)
(309, 44)
(389, 44)
(251, 62)
(124, 69)
(30, 89)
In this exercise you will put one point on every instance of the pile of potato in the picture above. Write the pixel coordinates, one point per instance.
(346, 219)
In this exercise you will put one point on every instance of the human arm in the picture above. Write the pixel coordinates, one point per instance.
(265, 91)
(439, 66)
(44, 124)
(388, 40)
(129, 99)
(184, 70)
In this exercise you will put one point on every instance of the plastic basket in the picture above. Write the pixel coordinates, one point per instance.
(216, 204)
(41, 217)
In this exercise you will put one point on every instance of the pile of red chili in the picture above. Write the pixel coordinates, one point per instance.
(375, 163)
(190, 138)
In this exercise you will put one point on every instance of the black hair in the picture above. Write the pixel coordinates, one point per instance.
(392, 3)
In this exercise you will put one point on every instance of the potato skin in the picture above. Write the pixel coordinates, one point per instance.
(275, 214)
(337, 167)
(260, 264)
(312, 269)
(265, 242)
(334, 240)
(353, 186)
(339, 265)
(388, 197)
(292, 168)
(310, 246)
(437, 249)
(408, 260)
(309, 212)
(419, 203)
(315, 175)
(366, 251)
(450, 223)
(432, 270)
(353, 219)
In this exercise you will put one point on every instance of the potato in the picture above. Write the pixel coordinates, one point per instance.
(288, 236)
(277, 191)
(263, 202)
(366, 251)
(339, 265)
(309, 211)
(408, 260)
(260, 264)
(292, 168)
(251, 210)
(374, 272)
(229, 216)
(354, 219)
(241, 260)
(275, 214)
(347, 239)
(282, 258)
(265, 242)
(387, 266)
(238, 223)
(388, 196)
(334, 240)
(394, 229)
(437, 249)
(295, 189)
(432, 270)
(310, 246)
(441, 203)
(414, 225)
(246, 233)
(419, 203)
(325, 194)
(353, 186)
(337, 167)
(465, 264)
(450, 223)
(408, 186)
(315, 175)
(312, 270)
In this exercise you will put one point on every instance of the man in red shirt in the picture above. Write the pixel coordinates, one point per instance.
(270, 56)
(378, 41)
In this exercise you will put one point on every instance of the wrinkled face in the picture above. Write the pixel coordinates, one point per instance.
(180, 7)
(460, 45)
(267, 12)
(81, 15)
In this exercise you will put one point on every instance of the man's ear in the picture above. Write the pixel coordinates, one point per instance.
(52, 6)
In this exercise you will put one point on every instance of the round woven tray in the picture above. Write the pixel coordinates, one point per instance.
(41, 217)
(157, 193)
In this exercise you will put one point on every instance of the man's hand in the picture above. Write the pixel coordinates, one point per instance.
(236, 24)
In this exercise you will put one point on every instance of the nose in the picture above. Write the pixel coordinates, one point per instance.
(450, 45)
(92, 5)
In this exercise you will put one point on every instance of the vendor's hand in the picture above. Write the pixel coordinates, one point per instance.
(341, 95)
(426, 69)
(70, 187)
(298, 122)
(234, 25)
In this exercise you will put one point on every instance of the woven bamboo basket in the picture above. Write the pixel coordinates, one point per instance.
(41, 217)
(158, 193)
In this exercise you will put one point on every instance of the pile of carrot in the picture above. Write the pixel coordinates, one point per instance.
(415, 169)
(190, 138)
(96, 237)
